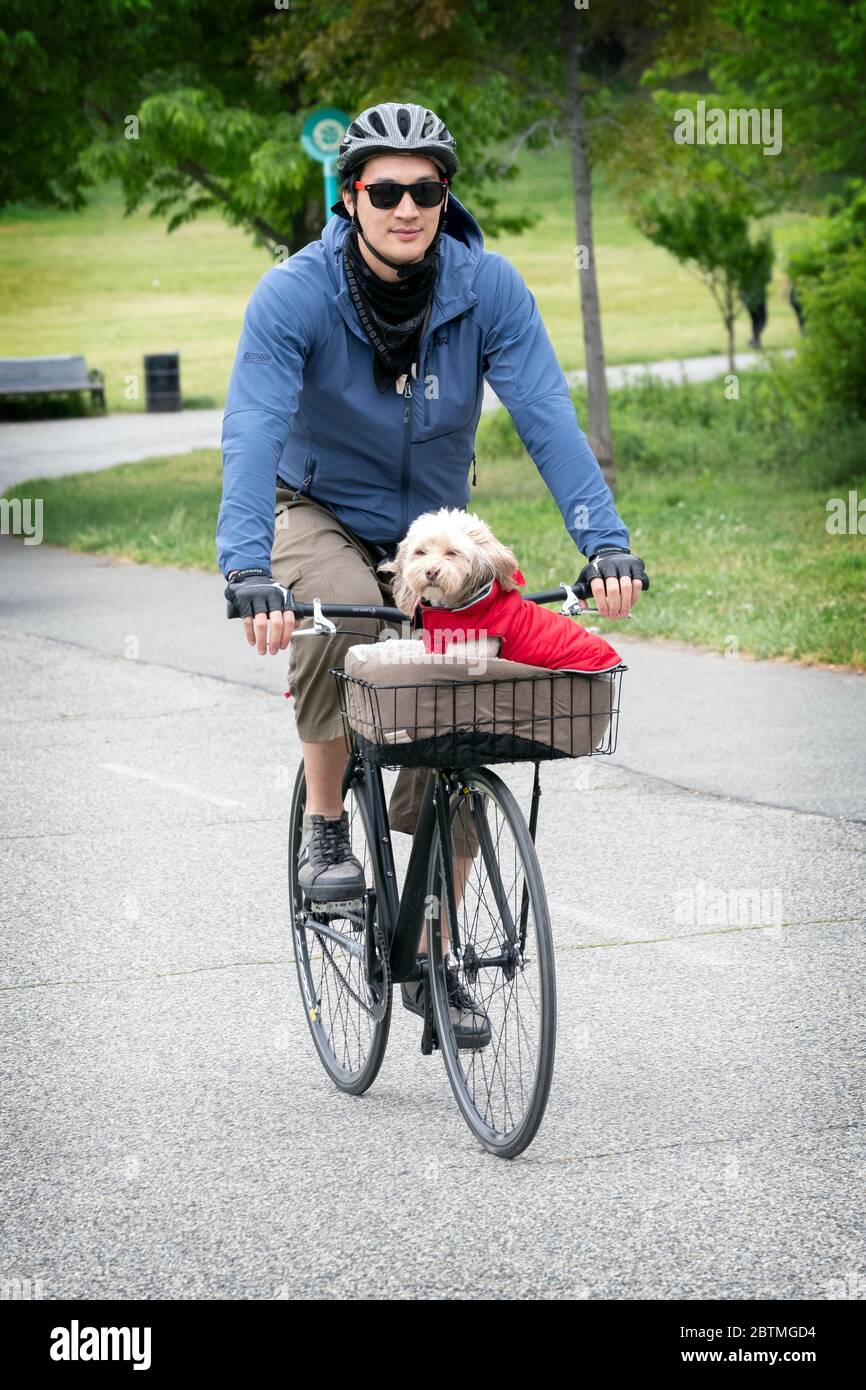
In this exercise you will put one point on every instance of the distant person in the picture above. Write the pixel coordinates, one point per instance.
(753, 279)
(756, 306)
(797, 306)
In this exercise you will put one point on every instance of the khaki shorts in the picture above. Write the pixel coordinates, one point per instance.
(317, 557)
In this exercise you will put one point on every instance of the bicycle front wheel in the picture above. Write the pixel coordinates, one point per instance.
(497, 948)
(348, 1020)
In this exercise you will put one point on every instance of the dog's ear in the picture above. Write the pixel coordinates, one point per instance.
(503, 562)
(404, 599)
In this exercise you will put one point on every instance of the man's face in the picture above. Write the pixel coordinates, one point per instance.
(403, 233)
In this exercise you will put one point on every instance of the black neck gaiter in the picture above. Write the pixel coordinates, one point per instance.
(392, 313)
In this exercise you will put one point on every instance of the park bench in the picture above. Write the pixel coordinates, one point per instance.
(41, 376)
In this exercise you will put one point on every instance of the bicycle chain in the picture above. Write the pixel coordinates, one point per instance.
(376, 1012)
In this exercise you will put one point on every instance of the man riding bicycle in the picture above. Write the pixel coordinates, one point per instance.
(352, 409)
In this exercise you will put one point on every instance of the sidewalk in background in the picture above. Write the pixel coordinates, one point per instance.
(51, 448)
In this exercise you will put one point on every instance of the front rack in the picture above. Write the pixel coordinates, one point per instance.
(468, 723)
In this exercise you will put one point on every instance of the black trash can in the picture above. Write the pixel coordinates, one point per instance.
(162, 380)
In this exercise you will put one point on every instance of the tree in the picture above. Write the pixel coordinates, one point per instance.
(578, 132)
(710, 235)
(803, 58)
(806, 58)
(160, 96)
(194, 107)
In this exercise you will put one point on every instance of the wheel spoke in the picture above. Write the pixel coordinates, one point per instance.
(504, 1085)
(349, 1038)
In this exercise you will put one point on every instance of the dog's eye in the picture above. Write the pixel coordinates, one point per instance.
(450, 552)
(420, 552)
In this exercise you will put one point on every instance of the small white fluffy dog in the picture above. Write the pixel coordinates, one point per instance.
(445, 558)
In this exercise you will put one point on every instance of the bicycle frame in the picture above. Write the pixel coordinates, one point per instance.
(402, 917)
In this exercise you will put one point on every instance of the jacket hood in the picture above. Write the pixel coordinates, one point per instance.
(461, 243)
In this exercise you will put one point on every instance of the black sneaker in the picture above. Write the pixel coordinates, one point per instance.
(328, 871)
(469, 1021)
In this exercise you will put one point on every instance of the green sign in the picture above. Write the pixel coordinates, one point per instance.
(320, 139)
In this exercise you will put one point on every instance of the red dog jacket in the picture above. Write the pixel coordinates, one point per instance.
(529, 632)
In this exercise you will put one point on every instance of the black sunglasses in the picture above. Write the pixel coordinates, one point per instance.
(428, 193)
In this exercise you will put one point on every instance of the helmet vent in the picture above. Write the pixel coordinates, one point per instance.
(397, 127)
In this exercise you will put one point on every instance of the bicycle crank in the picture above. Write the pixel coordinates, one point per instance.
(377, 970)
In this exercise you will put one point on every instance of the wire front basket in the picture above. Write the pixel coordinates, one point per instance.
(466, 723)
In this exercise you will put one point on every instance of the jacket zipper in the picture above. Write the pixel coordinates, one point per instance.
(426, 397)
(407, 425)
(311, 463)
(404, 468)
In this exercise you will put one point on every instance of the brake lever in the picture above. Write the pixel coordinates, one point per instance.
(572, 603)
(322, 626)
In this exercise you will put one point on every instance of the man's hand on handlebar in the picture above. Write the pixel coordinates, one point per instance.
(615, 578)
(256, 597)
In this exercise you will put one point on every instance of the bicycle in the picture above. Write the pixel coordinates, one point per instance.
(350, 955)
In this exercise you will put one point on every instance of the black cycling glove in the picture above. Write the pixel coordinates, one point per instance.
(612, 562)
(255, 591)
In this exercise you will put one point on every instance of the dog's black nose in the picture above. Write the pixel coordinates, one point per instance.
(431, 574)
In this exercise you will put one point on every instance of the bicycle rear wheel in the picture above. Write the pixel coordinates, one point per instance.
(348, 1022)
(501, 942)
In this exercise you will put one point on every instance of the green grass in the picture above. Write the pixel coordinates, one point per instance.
(726, 501)
(160, 512)
(115, 288)
(652, 308)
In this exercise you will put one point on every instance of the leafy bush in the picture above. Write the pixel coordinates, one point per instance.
(830, 276)
(779, 427)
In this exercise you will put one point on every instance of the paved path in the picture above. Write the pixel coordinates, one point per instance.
(677, 369)
(168, 1130)
(50, 448)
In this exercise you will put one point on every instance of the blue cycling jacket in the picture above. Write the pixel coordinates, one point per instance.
(302, 402)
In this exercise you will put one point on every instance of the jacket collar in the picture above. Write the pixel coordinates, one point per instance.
(490, 590)
(460, 248)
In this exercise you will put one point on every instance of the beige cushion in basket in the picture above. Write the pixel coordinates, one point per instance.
(512, 707)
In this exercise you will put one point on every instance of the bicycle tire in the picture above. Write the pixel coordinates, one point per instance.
(353, 1076)
(503, 1140)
